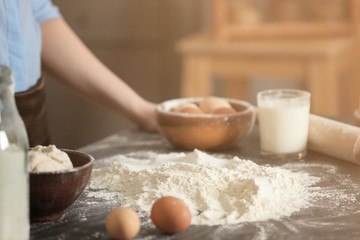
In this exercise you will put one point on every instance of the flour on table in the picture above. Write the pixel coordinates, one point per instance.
(217, 190)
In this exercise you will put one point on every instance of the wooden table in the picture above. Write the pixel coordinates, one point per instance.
(337, 216)
(325, 65)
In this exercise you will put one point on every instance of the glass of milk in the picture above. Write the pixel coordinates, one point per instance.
(283, 116)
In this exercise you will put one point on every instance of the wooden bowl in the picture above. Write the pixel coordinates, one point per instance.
(204, 131)
(51, 193)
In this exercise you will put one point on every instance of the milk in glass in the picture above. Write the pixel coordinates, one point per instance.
(14, 202)
(283, 122)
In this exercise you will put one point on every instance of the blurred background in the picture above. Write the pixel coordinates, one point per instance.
(146, 42)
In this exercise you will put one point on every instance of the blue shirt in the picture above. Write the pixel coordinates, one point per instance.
(20, 38)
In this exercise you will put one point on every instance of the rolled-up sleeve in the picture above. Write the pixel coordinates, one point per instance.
(44, 10)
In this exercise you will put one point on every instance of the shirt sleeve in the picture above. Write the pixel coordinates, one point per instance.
(44, 10)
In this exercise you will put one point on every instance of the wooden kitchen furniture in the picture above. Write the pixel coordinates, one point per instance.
(322, 64)
(236, 19)
(321, 52)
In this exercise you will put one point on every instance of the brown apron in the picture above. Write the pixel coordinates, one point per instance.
(32, 108)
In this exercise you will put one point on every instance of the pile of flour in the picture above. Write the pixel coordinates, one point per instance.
(218, 191)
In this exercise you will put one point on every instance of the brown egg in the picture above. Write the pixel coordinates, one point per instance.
(190, 108)
(171, 215)
(122, 223)
(209, 104)
(224, 110)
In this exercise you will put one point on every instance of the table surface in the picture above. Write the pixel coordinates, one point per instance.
(336, 215)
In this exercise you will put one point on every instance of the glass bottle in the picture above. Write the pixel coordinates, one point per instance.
(14, 177)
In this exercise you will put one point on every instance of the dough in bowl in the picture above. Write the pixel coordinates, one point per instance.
(47, 159)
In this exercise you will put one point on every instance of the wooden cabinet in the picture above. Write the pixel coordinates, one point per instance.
(284, 18)
(313, 41)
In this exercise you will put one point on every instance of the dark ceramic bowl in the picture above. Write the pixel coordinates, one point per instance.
(51, 193)
(205, 131)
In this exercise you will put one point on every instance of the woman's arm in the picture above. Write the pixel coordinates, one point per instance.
(68, 60)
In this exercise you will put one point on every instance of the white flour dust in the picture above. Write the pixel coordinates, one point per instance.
(218, 191)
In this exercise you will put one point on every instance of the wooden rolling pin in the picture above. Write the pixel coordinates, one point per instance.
(334, 138)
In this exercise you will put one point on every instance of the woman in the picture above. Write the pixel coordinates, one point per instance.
(35, 38)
